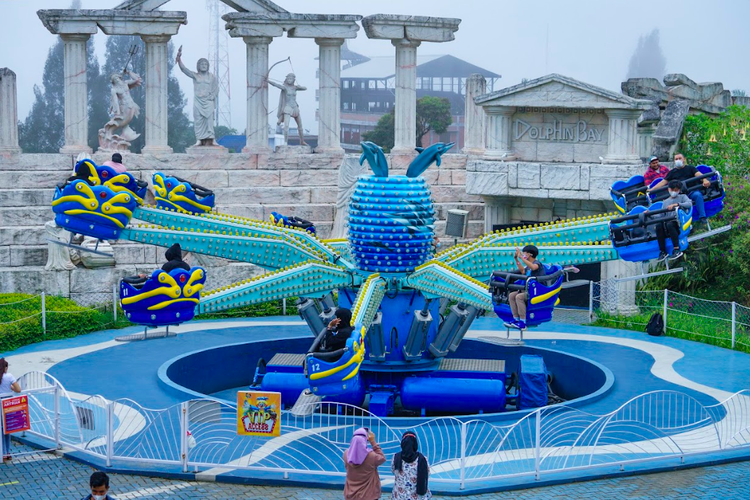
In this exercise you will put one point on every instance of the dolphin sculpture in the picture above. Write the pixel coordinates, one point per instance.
(375, 158)
(426, 157)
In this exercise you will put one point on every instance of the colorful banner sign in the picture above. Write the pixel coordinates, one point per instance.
(16, 414)
(258, 413)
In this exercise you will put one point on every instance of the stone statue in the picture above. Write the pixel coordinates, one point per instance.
(122, 109)
(58, 256)
(206, 89)
(288, 107)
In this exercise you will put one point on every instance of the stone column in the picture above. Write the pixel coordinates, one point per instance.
(8, 112)
(623, 140)
(619, 296)
(405, 121)
(76, 94)
(498, 132)
(646, 140)
(257, 94)
(474, 122)
(329, 115)
(155, 80)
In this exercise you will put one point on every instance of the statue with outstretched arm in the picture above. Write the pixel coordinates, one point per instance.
(205, 92)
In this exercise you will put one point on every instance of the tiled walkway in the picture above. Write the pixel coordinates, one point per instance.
(41, 476)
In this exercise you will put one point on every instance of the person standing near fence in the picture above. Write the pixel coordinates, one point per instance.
(411, 471)
(362, 479)
(8, 385)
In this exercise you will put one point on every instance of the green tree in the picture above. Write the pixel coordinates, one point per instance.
(719, 267)
(433, 115)
(648, 60)
(383, 134)
(222, 130)
(43, 129)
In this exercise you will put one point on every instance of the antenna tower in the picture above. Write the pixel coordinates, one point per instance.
(218, 56)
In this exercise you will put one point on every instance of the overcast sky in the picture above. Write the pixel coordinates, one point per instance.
(591, 40)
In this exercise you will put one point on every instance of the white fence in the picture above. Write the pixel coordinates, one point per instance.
(667, 426)
(621, 304)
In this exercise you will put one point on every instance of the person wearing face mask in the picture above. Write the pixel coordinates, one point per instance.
(99, 483)
(672, 227)
(682, 172)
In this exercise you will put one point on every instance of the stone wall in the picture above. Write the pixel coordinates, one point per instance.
(248, 185)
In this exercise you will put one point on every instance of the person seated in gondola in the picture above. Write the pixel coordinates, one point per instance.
(82, 173)
(654, 171)
(682, 172)
(672, 227)
(174, 259)
(338, 332)
(527, 263)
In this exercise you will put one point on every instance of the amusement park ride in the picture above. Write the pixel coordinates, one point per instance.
(387, 273)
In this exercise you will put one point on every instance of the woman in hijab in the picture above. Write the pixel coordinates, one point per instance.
(362, 479)
(411, 470)
(339, 330)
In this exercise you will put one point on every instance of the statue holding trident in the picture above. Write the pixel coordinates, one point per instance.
(206, 90)
(288, 107)
(122, 109)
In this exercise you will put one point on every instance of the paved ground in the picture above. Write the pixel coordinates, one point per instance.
(41, 476)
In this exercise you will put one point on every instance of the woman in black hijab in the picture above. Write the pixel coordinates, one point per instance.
(339, 330)
(411, 470)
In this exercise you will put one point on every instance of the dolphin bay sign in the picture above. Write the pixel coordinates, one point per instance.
(558, 131)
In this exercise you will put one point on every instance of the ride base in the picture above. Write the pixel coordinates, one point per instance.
(401, 375)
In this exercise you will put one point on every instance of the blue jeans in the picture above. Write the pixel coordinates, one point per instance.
(6, 444)
(697, 198)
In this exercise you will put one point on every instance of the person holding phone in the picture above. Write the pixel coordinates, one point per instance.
(362, 462)
(338, 332)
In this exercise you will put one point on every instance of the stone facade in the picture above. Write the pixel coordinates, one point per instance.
(558, 119)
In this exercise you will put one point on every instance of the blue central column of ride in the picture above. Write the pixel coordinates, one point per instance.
(391, 231)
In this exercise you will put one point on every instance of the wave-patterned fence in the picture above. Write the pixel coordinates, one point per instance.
(201, 435)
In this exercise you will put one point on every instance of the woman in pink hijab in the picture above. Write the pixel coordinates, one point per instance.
(362, 479)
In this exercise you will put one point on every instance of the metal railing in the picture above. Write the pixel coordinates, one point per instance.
(201, 435)
(619, 303)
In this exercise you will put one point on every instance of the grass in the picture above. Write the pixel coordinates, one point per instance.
(21, 319)
(683, 325)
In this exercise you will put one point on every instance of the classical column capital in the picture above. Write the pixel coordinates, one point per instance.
(75, 37)
(330, 42)
(623, 114)
(257, 40)
(499, 110)
(405, 43)
(156, 38)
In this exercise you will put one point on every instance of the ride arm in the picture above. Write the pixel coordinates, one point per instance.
(435, 279)
(230, 224)
(586, 229)
(310, 278)
(479, 263)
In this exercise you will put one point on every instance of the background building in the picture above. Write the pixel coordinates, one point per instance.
(368, 92)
